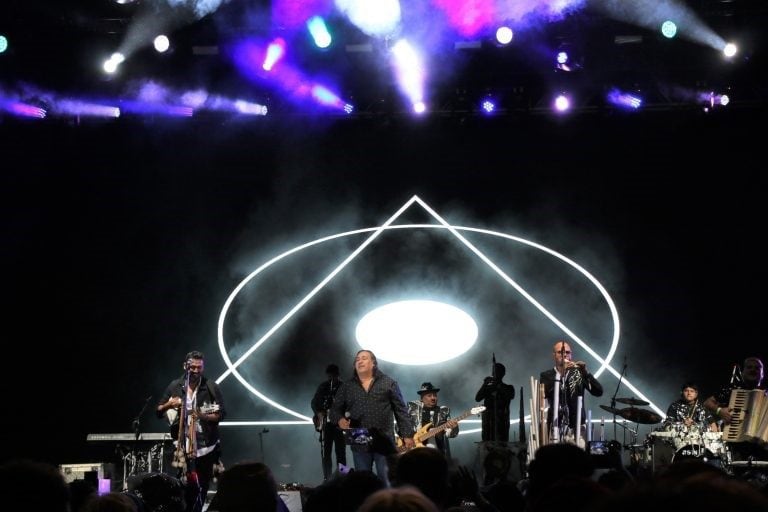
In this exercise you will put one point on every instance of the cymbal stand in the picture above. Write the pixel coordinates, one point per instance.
(613, 398)
(261, 442)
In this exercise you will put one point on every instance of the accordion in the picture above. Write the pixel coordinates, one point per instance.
(749, 417)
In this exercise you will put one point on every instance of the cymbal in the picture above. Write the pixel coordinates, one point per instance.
(640, 416)
(632, 401)
(611, 410)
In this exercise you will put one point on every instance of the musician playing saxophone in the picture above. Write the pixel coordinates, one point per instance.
(200, 402)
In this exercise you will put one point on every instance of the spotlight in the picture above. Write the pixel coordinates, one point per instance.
(275, 52)
(419, 107)
(562, 103)
(3, 43)
(504, 35)
(488, 106)
(669, 29)
(730, 49)
(161, 43)
(624, 100)
(111, 64)
(319, 32)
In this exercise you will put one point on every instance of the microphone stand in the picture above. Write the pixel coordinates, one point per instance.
(261, 442)
(494, 394)
(137, 421)
(615, 394)
(140, 459)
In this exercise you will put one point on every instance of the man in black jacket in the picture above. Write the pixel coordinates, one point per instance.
(573, 379)
(331, 435)
(200, 403)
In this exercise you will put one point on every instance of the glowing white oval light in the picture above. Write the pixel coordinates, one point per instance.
(416, 332)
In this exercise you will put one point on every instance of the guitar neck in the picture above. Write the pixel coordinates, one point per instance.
(436, 430)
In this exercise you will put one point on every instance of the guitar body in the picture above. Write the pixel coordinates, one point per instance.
(419, 438)
(318, 419)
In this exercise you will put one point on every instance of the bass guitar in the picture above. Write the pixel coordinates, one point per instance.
(426, 432)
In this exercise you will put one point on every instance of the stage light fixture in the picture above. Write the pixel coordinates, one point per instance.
(419, 107)
(624, 100)
(275, 52)
(488, 106)
(110, 65)
(669, 29)
(504, 35)
(562, 103)
(730, 49)
(3, 43)
(161, 43)
(319, 32)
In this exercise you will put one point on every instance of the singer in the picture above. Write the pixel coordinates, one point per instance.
(200, 402)
(331, 435)
(372, 400)
(573, 378)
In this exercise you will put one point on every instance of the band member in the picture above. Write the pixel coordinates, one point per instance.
(574, 379)
(750, 378)
(331, 435)
(689, 411)
(199, 402)
(425, 414)
(496, 396)
(372, 400)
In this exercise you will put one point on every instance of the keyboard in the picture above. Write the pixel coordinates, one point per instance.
(130, 436)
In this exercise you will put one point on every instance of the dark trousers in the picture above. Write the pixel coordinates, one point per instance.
(196, 491)
(333, 438)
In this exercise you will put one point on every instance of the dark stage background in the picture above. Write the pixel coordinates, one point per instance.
(122, 240)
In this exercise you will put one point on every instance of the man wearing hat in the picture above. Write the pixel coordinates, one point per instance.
(425, 411)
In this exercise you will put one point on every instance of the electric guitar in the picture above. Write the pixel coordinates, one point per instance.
(426, 432)
(318, 419)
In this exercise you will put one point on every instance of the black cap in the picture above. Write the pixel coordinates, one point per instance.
(427, 387)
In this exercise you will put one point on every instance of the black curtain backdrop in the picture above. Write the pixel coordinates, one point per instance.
(121, 241)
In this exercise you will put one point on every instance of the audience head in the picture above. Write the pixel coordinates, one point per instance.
(426, 469)
(246, 487)
(111, 502)
(33, 487)
(398, 499)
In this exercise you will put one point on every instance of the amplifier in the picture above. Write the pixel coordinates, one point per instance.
(93, 471)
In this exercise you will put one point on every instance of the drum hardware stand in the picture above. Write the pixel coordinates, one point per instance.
(613, 399)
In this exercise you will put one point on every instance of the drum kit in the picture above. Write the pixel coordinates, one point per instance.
(671, 443)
